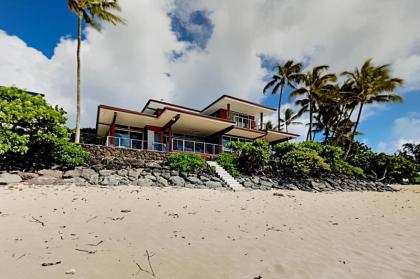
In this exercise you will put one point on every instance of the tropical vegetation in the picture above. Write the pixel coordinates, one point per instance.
(92, 13)
(33, 133)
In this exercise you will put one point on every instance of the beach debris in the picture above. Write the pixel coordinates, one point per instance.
(116, 218)
(258, 277)
(51, 263)
(93, 218)
(70, 271)
(21, 256)
(38, 221)
(86, 251)
(174, 215)
(278, 194)
(96, 243)
(125, 210)
(150, 271)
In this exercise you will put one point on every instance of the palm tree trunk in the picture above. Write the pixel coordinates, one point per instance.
(278, 112)
(79, 42)
(310, 120)
(354, 131)
(285, 124)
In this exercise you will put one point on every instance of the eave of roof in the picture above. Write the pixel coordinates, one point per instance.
(211, 104)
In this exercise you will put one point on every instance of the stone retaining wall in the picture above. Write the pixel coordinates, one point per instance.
(120, 158)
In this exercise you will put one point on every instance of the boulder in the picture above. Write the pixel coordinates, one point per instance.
(27, 175)
(204, 178)
(72, 173)
(166, 175)
(122, 172)
(111, 180)
(213, 184)
(8, 178)
(194, 180)
(153, 164)
(134, 174)
(174, 173)
(266, 184)
(44, 180)
(177, 181)
(162, 182)
(53, 173)
(150, 177)
(144, 182)
(248, 184)
(106, 172)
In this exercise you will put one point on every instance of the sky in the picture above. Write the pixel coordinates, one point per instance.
(191, 52)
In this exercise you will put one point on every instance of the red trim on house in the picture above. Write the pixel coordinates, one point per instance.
(281, 132)
(237, 99)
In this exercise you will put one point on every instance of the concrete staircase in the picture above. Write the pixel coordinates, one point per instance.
(226, 177)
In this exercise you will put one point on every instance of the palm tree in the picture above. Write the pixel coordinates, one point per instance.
(92, 12)
(371, 84)
(315, 84)
(289, 118)
(288, 74)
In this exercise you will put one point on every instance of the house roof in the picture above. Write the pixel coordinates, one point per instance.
(237, 104)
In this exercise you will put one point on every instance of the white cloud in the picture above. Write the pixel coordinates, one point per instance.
(125, 65)
(405, 129)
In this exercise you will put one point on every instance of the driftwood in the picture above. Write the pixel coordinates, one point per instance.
(96, 243)
(86, 251)
(49, 264)
(151, 271)
(38, 221)
(93, 218)
(376, 176)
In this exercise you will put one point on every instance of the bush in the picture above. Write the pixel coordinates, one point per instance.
(303, 161)
(33, 133)
(252, 156)
(229, 162)
(187, 162)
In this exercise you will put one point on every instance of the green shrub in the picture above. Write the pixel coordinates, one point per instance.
(229, 162)
(33, 134)
(252, 156)
(282, 148)
(187, 162)
(303, 161)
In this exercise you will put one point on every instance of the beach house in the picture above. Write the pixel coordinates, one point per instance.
(167, 127)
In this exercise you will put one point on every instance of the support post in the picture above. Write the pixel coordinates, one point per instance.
(261, 120)
(228, 112)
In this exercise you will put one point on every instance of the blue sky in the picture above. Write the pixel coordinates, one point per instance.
(195, 38)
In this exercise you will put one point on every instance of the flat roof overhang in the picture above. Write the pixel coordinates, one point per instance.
(246, 133)
(278, 136)
(238, 105)
(188, 122)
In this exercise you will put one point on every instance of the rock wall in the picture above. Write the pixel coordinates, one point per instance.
(321, 184)
(120, 158)
(151, 175)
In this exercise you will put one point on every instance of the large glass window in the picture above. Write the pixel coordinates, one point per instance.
(128, 137)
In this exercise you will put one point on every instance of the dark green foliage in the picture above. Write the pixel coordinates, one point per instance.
(187, 162)
(252, 156)
(33, 133)
(229, 162)
(381, 166)
(303, 161)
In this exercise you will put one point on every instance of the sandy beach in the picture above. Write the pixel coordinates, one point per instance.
(92, 232)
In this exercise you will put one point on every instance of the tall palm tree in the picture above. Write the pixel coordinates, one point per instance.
(288, 74)
(289, 118)
(371, 84)
(92, 12)
(315, 83)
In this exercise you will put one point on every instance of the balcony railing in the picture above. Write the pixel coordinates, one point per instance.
(177, 145)
(135, 144)
(196, 147)
(246, 123)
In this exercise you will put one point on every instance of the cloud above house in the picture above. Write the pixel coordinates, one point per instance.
(191, 52)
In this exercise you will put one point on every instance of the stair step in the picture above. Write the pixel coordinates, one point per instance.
(225, 176)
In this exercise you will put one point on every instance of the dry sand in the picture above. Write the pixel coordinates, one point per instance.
(207, 233)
